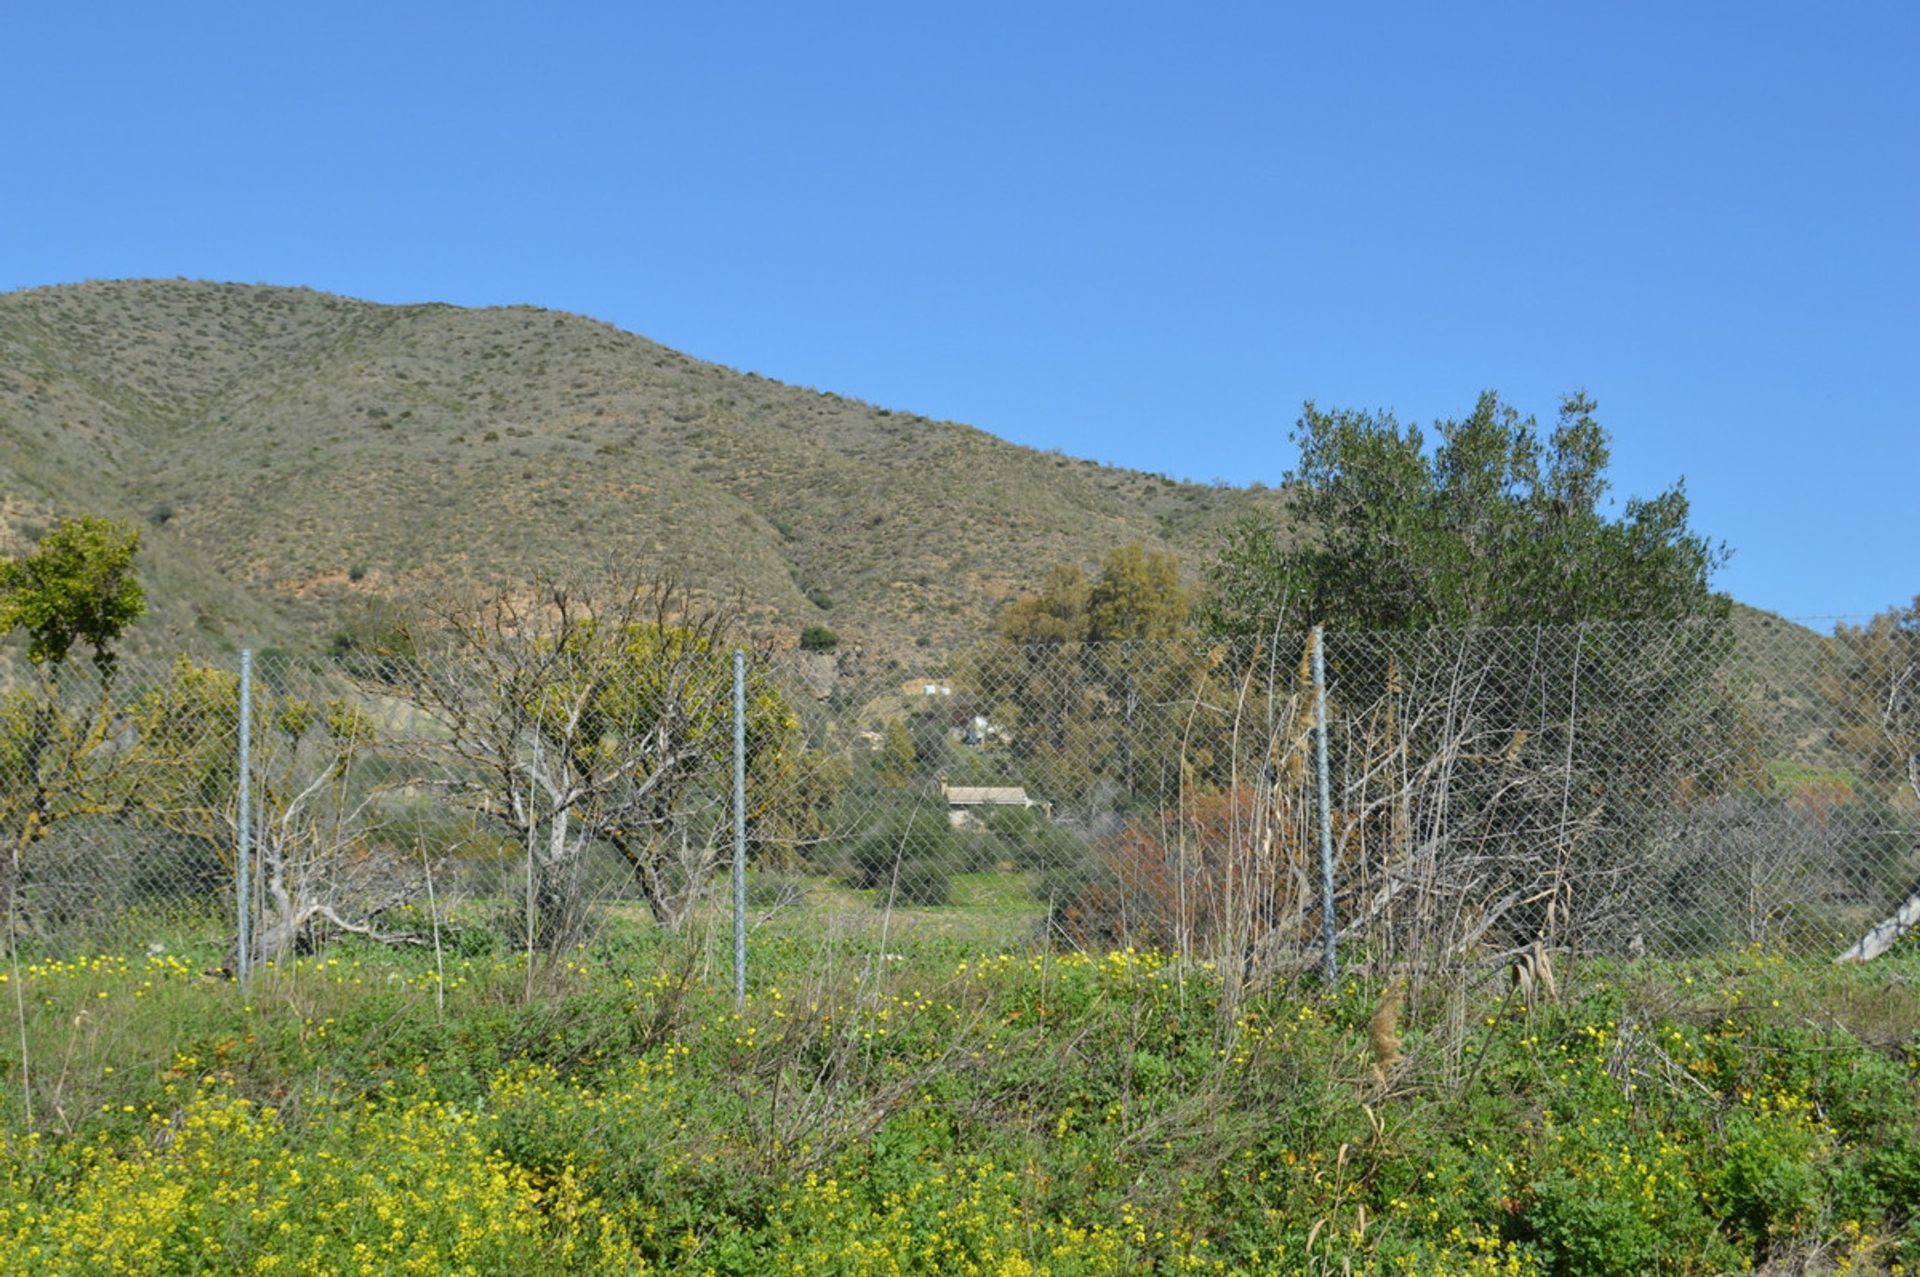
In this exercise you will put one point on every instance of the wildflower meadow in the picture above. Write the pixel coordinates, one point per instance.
(936, 1109)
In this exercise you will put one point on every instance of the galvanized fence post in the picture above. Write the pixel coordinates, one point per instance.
(243, 961)
(1328, 966)
(739, 828)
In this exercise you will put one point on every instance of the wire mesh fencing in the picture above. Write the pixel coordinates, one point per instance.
(539, 785)
(1659, 789)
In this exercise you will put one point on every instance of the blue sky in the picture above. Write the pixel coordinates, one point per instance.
(1139, 234)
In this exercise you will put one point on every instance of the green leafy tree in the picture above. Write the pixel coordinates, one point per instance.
(1057, 614)
(908, 854)
(1494, 525)
(1091, 677)
(1138, 595)
(1489, 548)
(898, 760)
(76, 588)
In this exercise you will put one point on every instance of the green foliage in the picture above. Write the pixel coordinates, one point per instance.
(1769, 1180)
(182, 774)
(622, 685)
(907, 855)
(1026, 838)
(1875, 684)
(792, 791)
(371, 632)
(1420, 559)
(897, 762)
(77, 586)
(1137, 595)
(1493, 526)
(1092, 714)
(818, 638)
(58, 759)
(1058, 614)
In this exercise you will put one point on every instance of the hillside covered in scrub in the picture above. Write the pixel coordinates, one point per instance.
(290, 452)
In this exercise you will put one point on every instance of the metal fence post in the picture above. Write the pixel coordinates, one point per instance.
(243, 961)
(1328, 967)
(739, 828)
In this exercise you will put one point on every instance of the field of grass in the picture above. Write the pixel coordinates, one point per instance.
(995, 910)
(936, 1106)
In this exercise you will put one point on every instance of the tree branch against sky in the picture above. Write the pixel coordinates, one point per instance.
(1491, 523)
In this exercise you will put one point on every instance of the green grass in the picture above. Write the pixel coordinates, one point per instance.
(1790, 776)
(938, 1105)
(992, 910)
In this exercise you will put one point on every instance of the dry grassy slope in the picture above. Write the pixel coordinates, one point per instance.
(309, 447)
(1783, 667)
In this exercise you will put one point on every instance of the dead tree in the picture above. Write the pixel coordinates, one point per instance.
(323, 861)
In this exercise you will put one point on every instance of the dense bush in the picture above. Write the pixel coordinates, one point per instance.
(1028, 839)
(908, 854)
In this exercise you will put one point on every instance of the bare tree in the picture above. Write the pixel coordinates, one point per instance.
(578, 713)
(323, 860)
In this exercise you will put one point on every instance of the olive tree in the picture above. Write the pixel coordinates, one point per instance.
(1570, 654)
(1488, 523)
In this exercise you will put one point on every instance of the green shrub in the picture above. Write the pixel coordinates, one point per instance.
(920, 882)
(1767, 1180)
(1592, 1234)
(818, 638)
(907, 855)
(1027, 838)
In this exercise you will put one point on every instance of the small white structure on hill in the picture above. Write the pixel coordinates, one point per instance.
(918, 688)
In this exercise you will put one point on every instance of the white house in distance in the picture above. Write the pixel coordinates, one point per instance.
(965, 803)
(926, 687)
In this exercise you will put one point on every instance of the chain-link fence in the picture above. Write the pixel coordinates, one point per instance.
(537, 786)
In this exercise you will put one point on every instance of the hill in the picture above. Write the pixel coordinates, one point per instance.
(292, 451)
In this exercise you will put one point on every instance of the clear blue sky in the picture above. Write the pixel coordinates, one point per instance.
(1139, 234)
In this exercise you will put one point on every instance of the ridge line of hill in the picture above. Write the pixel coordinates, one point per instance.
(292, 452)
